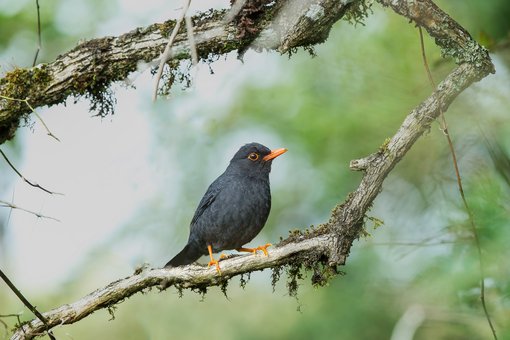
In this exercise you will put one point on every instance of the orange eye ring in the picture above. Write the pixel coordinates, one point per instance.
(253, 156)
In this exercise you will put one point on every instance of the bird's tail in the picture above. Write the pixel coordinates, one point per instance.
(189, 254)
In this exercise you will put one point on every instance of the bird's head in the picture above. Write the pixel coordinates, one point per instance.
(253, 160)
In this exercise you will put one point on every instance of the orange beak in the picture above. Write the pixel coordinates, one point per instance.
(274, 153)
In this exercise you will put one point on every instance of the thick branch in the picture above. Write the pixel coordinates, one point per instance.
(331, 243)
(91, 67)
(453, 39)
(192, 276)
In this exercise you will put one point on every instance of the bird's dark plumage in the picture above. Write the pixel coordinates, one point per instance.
(235, 207)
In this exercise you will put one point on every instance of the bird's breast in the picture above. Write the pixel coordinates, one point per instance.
(249, 202)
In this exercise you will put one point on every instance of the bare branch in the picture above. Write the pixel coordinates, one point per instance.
(167, 52)
(23, 299)
(191, 40)
(34, 112)
(35, 185)
(38, 32)
(10, 205)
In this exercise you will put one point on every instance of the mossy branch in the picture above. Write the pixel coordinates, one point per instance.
(91, 67)
(329, 244)
(192, 276)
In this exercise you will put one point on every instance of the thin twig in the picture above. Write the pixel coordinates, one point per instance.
(10, 205)
(48, 132)
(191, 39)
(38, 32)
(444, 128)
(10, 211)
(31, 307)
(192, 48)
(35, 112)
(165, 56)
(35, 185)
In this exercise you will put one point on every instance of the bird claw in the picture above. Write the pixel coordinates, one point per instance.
(215, 263)
(254, 250)
(264, 248)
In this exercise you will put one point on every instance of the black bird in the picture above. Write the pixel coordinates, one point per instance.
(234, 209)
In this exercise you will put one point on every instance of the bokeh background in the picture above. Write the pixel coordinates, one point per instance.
(131, 181)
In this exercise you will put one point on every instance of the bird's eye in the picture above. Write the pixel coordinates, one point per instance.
(253, 156)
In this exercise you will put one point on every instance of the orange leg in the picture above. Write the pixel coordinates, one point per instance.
(213, 261)
(254, 250)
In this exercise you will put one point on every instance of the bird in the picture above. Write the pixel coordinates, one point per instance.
(234, 208)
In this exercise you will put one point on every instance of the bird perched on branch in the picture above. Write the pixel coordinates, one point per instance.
(234, 209)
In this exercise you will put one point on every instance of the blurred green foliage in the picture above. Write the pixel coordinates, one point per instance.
(329, 109)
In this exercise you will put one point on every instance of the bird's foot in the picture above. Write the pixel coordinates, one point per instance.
(213, 261)
(216, 263)
(254, 250)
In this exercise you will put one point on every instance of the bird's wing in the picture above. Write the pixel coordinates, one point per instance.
(209, 197)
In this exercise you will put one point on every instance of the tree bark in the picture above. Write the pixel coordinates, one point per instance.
(323, 248)
(91, 67)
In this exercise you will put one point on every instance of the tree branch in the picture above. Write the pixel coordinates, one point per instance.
(329, 244)
(192, 276)
(167, 52)
(35, 185)
(27, 303)
(91, 67)
(10, 205)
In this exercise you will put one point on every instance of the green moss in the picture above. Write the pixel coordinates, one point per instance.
(275, 276)
(322, 274)
(111, 311)
(376, 222)
(358, 12)
(384, 146)
(166, 27)
(180, 290)
(96, 82)
(244, 281)
(175, 70)
(294, 274)
(202, 290)
(23, 84)
(203, 17)
(223, 287)
(471, 53)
